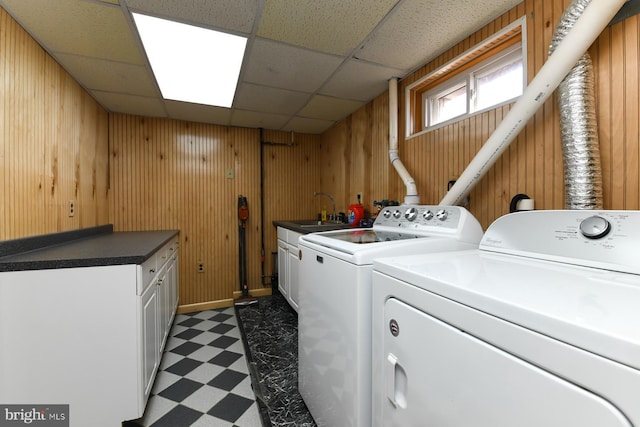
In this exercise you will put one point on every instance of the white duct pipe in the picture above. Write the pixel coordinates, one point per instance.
(586, 29)
(411, 197)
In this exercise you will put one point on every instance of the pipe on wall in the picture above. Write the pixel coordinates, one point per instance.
(586, 29)
(411, 198)
(578, 124)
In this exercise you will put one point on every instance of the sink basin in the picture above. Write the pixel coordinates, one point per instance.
(315, 225)
(320, 224)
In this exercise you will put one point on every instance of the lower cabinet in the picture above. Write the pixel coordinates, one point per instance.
(158, 305)
(89, 337)
(288, 262)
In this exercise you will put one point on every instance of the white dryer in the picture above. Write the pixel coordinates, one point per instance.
(334, 312)
(540, 326)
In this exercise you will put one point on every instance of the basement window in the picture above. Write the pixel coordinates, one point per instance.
(487, 76)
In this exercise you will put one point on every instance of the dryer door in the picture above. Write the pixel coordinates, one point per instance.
(438, 375)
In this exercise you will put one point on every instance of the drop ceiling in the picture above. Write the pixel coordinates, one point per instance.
(308, 64)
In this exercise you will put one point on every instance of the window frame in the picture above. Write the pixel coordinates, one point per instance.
(504, 44)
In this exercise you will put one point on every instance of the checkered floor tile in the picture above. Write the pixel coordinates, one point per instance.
(203, 378)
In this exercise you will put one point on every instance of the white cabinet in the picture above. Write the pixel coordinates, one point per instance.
(288, 281)
(283, 262)
(150, 334)
(85, 336)
(292, 273)
(158, 304)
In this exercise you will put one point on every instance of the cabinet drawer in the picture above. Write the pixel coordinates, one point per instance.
(149, 269)
(167, 252)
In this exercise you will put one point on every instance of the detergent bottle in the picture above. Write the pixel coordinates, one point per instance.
(356, 213)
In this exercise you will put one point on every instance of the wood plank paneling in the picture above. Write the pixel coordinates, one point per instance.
(171, 174)
(533, 164)
(53, 143)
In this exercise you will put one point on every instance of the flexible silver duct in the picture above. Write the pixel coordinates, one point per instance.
(578, 126)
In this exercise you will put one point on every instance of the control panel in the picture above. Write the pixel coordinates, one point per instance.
(603, 239)
(415, 217)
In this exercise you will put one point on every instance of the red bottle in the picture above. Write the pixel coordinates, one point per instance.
(356, 213)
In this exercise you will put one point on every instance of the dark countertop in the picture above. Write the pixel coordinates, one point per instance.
(309, 226)
(97, 246)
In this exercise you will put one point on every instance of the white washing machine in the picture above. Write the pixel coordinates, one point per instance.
(540, 326)
(334, 312)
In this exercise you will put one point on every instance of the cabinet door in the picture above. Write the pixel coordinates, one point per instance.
(150, 337)
(172, 285)
(164, 304)
(292, 273)
(283, 262)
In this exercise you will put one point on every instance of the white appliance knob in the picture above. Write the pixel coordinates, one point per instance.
(387, 213)
(396, 214)
(411, 214)
(595, 227)
(428, 215)
(441, 215)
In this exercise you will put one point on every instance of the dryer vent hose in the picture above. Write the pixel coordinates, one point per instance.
(578, 125)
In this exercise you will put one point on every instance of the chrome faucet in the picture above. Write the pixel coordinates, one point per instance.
(333, 217)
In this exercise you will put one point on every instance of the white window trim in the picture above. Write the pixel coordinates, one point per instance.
(522, 23)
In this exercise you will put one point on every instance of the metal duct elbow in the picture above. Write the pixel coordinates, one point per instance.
(578, 125)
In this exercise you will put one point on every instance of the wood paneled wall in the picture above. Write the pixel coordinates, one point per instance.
(169, 174)
(355, 158)
(533, 164)
(53, 143)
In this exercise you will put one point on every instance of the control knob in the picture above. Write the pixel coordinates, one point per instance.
(387, 213)
(428, 215)
(396, 214)
(595, 227)
(442, 214)
(411, 214)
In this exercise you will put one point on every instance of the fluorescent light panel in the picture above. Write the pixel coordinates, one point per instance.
(192, 64)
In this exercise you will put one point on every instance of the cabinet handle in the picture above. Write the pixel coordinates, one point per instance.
(159, 282)
(320, 259)
(152, 270)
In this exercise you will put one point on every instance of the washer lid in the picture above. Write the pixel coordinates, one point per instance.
(596, 310)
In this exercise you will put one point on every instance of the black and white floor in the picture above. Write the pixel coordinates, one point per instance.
(205, 376)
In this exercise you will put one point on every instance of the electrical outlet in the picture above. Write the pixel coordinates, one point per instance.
(72, 208)
(230, 173)
(200, 267)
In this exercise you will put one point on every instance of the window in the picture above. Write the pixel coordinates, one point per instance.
(488, 75)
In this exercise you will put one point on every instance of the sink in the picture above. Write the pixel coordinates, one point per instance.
(320, 224)
(314, 225)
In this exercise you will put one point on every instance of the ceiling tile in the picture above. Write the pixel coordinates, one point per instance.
(198, 113)
(278, 65)
(329, 108)
(305, 125)
(130, 104)
(329, 26)
(308, 63)
(79, 27)
(252, 119)
(360, 80)
(109, 76)
(419, 30)
(236, 15)
(269, 100)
